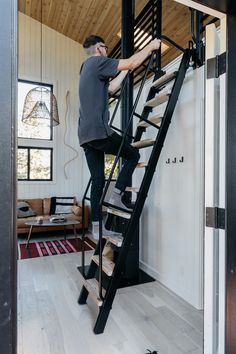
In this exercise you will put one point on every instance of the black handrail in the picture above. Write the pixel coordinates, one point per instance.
(167, 39)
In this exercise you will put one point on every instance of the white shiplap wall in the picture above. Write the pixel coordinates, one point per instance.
(62, 58)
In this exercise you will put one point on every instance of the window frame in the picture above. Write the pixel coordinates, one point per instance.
(28, 148)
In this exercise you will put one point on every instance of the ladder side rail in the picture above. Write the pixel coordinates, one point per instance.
(83, 228)
(113, 169)
(124, 83)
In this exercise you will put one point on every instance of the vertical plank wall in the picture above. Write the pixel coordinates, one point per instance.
(62, 58)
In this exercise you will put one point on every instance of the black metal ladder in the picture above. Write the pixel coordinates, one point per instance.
(102, 279)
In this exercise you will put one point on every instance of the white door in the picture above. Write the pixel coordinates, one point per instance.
(214, 284)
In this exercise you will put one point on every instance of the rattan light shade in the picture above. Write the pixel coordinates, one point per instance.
(40, 108)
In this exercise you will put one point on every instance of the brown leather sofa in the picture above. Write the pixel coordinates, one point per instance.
(41, 207)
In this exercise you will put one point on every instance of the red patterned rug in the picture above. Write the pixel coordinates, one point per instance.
(52, 248)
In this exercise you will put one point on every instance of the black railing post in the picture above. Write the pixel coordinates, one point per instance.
(157, 29)
(196, 29)
(199, 44)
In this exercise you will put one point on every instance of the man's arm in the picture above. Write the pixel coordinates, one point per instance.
(135, 60)
(115, 83)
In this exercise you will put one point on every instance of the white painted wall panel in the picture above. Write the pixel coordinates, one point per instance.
(62, 58)
(171, 239)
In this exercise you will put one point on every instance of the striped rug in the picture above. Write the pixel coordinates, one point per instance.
(52, 248)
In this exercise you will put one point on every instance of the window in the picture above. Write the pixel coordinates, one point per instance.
(27, 131)
(34, 164)
(35, 145)
(109, 161)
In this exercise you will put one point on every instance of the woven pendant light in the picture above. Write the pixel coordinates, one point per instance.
(40, 106)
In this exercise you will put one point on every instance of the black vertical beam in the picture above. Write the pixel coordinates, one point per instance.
(127, 49)
(231, 187)
(199, 46)
(157, 29)
(8, 84)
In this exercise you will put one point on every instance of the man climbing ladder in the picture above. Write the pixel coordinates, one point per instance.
(95, 135)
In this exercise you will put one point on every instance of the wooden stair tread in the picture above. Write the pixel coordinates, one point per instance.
(164, 79)
(143, 143)
(142, 165)
(119, 213)
(92, 287)
(132, 189)
(159, 99)
(115, 240)
(154, 119)
(107, 264)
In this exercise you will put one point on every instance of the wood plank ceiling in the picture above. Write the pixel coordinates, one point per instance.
(77, 19)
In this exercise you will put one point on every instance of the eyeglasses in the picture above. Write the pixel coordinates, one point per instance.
(104, 46)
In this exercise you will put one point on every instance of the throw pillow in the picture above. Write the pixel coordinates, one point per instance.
(77, 210)
(61, 205)
(24, 210)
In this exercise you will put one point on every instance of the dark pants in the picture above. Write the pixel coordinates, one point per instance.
(94, 152)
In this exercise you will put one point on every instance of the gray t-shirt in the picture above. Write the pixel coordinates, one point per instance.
(93, 93)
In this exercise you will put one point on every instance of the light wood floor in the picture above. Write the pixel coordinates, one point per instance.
(143, 317)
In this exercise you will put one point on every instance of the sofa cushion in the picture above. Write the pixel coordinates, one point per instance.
(77, 210)
(62, 205)
(24, 210)
(35, 204)
(46, 206)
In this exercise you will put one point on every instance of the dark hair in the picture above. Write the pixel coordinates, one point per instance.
(92, 40)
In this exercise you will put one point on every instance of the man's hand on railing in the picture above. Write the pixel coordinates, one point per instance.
(154, 44)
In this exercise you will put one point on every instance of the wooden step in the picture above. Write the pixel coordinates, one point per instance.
(93, 289)
(142, 165)
(132, 189)
(154, 119)
(159, 99)
(116, 212)
(115, 240)
(164, 79)
(107, 264)
(143, 143)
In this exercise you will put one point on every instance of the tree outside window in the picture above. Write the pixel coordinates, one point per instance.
(109, 160)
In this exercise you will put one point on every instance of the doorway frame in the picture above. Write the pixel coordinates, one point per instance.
(8, 249)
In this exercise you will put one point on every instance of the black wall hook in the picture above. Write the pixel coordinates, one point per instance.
(168, 160)
(174, 160)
